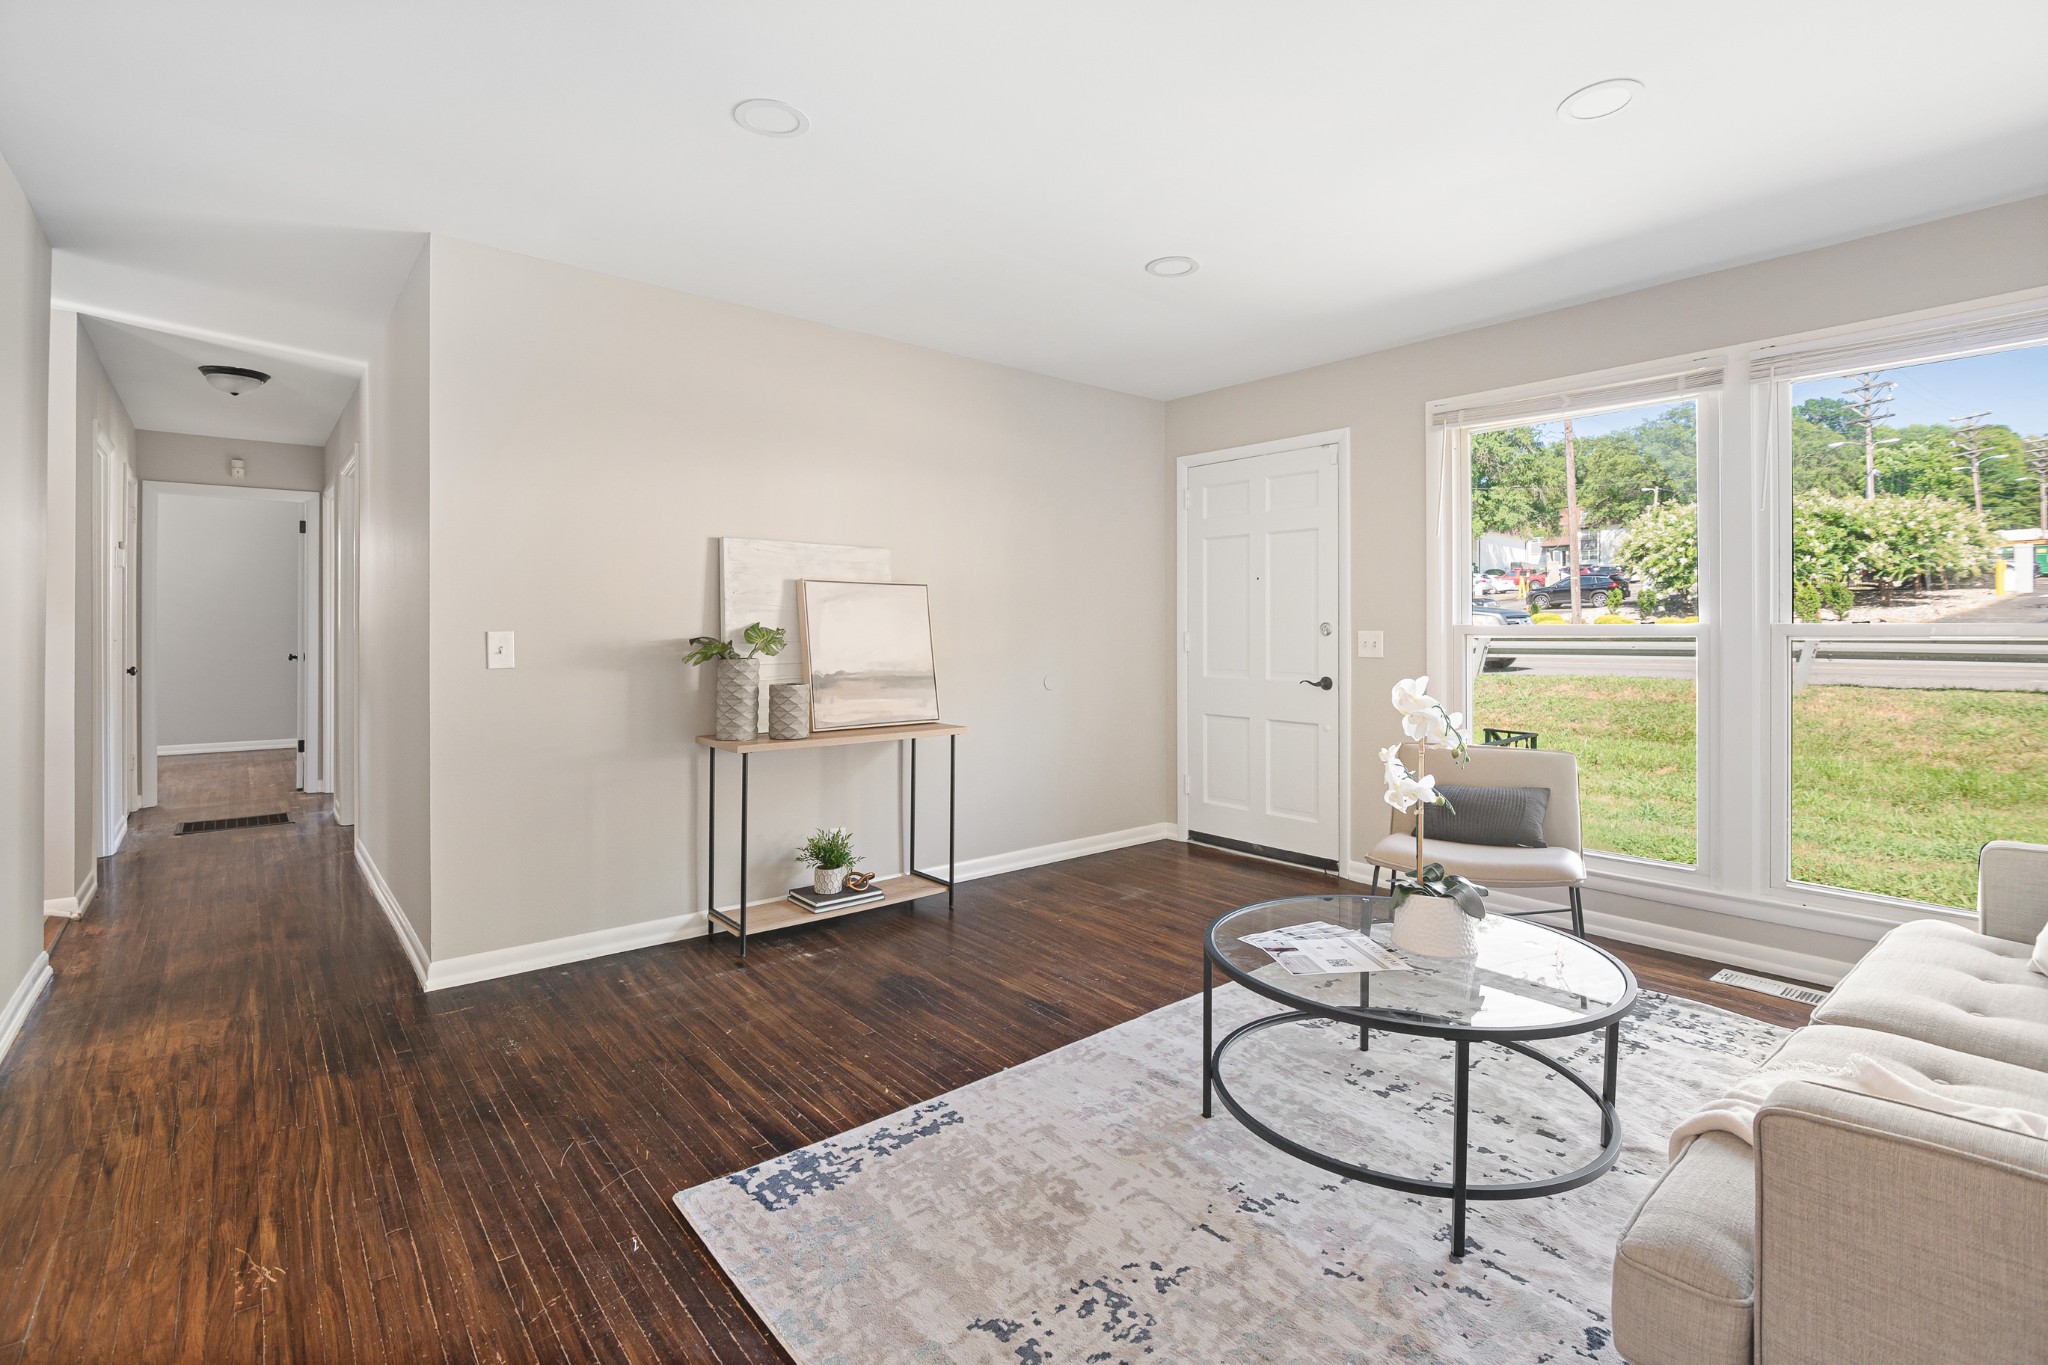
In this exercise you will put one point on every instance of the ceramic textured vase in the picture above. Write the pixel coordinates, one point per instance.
(1434, 926)
(736, 712)
(828, 881)
(789, 710)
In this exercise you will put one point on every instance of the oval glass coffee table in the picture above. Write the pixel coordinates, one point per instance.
(1526, 983)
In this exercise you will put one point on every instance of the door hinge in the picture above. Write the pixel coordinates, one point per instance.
(302, 526)
(1187, 497)
(302, 746)
(1187, 785)
(1186, 642)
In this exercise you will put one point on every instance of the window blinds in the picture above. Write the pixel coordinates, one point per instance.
(1911, 346)
(1545, 407)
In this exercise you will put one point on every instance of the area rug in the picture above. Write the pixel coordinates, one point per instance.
(1078, 1208)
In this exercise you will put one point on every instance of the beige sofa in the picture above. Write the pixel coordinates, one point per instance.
(1859, 1229)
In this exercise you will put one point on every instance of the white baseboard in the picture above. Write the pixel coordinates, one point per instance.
(23, 1000)
(226, 746)
(408, 937)
(75, 905)
(530, 957)
(988, 866)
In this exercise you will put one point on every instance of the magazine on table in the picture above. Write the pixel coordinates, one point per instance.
(1322, 949)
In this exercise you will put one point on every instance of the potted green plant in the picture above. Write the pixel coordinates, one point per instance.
(736, 709)
(1435, 914)
(828, 853)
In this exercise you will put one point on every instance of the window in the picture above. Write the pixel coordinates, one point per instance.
(1583, 530)
(1820, 684)
(1918, 494)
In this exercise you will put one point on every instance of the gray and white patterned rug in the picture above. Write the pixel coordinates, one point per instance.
(1079, 1208)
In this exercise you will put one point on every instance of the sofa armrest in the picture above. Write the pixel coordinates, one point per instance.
(1887, 1232)
(2012, 890)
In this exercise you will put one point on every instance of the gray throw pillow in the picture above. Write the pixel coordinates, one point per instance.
(1507, 817)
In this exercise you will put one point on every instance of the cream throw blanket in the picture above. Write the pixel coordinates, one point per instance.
(1735, 1112)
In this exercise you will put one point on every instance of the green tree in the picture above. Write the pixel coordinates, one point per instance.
(1517, 483)
(1831, 414)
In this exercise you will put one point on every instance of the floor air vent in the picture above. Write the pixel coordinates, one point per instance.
(238, 822)
(1763, 985)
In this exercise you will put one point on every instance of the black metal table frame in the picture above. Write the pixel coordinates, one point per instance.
(1458, 1189)
(739, 926)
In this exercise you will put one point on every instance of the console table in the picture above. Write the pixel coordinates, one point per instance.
(912, 885)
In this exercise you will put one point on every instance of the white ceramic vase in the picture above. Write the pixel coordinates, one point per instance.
(1434, 926)
(828, 881)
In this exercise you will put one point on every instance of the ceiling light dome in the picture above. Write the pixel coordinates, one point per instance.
(770, 118)
(1599, 100)
(1172, 267)
(233, 380)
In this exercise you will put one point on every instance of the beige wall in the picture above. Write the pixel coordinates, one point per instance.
(592, 440)
(1381, 398)
(173, 457)
(82, 400)
(24, 463)
(392, 816)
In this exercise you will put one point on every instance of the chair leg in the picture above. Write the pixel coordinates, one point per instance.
(1375, 879)
(1578, 914)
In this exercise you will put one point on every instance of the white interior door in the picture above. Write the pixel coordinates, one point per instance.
(1263, 716)
(131, 723)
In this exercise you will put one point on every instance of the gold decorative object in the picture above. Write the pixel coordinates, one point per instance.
(859, 881)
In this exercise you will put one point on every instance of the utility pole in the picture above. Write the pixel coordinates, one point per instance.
(1656, 495)
(1969, 442)
(1867, 395)
(1571, 516)
(2037, 463)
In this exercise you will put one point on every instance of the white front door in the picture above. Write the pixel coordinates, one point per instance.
(1263, 716)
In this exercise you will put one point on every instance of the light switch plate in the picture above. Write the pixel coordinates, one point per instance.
(1372, 644)
(497, 649)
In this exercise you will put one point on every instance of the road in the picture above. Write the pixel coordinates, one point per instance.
(1988, 677)
(2022, 608)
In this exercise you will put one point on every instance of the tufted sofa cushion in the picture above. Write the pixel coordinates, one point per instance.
(1944, 984)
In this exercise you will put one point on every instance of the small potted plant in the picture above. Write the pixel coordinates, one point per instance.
(1435, 914)
(736, 712)
(829, 854)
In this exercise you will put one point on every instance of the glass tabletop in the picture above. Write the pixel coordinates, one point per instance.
(1526, 980)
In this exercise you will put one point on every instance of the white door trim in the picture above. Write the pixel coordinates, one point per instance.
(110, 786)
(1341, 438)
(308, 708)
(345, 767)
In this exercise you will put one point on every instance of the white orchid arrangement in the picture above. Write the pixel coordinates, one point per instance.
(1425, 720)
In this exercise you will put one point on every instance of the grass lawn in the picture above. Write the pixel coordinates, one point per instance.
(1893, 790)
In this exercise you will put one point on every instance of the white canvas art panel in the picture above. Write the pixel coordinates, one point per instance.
(757, 581)
(868, 654)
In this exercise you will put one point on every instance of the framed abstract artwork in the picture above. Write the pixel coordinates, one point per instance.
(868, 653)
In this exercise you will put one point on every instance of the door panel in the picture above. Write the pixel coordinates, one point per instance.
(1262, 595)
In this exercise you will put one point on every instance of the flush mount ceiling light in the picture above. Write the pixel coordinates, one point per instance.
(233, 380)
(1599, 100)
(1171, 267)
(770, 118)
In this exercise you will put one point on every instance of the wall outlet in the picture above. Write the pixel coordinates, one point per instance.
(1372, 644)
(497, 649)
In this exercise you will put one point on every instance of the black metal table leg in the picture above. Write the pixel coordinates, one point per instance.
(912, 863)
(952, 807)
(711, 840)
(1364, 1002)
(1464, 1098)
(1208, 1033)
(743, 852)
(1609, 1074)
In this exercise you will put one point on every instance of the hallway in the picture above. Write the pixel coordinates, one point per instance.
(238, 1131)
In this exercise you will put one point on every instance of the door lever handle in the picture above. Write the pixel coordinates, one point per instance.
(291, 658)
(131, 670)
(1323, 682)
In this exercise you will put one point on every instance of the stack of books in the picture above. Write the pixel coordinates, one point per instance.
(818, 904)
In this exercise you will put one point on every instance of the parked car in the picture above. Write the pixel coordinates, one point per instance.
(1595, 582)
(1505, 615)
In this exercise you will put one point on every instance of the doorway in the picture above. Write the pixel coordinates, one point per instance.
(118, 781)
(230, 617)
(1264, 714)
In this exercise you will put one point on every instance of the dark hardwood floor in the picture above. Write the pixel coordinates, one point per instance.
(237, 1130)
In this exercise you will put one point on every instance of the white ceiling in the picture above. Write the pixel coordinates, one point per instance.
(989, 179)
(157, 376)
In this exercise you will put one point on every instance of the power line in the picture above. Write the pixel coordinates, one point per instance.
(1969, 443)
(1871, 397)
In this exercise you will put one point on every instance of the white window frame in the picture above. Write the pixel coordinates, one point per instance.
(1746, 629)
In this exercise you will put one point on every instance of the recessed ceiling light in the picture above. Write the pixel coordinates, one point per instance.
(1599, 99)
(233, 380)
(770, 118)
(1167, 267)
